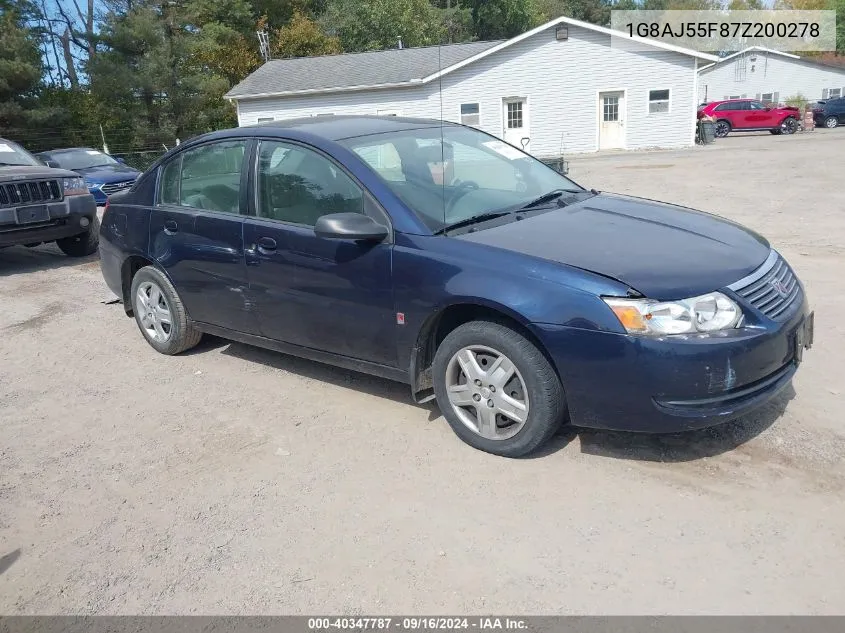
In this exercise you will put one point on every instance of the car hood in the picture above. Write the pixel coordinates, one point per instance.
(661, 250)
(109, 173)
(24, 172)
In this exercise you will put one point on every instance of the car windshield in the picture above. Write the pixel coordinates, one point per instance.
(450, 174)
(12, 154)
(82, 159)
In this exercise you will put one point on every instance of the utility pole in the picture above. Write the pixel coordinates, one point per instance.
(103, 136)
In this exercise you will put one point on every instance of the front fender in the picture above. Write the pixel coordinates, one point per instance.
(431, 274)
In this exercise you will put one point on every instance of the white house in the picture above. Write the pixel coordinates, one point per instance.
(773, 76)
(566, 86)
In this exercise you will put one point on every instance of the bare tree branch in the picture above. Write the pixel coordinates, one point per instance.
(70, 63)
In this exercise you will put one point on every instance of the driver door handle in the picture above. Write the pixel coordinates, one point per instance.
(266, 244)
(170, 227)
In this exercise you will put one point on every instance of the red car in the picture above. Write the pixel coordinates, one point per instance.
(749, 115)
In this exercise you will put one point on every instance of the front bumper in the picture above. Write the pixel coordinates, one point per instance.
(620, 382)
(72, 216)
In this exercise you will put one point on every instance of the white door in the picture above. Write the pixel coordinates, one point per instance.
(515, 118)
(611, 120)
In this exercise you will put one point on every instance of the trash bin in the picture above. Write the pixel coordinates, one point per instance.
(707, 132)
(558, 164)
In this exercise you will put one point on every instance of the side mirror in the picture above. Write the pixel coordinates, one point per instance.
(119, 160)
(50, 163)
(349, 226)
(768, 108)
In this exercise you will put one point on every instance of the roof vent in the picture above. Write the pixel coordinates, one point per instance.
(562, 33)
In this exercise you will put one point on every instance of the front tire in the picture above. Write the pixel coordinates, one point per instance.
(496, 390)
(831, 122)
(160, 313)
(83, 244)
(723, 128)
(789, 125)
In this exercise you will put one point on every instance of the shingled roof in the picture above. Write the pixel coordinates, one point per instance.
(393, 67)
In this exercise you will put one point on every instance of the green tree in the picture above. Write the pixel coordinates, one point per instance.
(302, 37)
(502, 19)
(593, 11)
(365, 25)
(20, 64)
(278, 13)
(456, 18)
(165, 67)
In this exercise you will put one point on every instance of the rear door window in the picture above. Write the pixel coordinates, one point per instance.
(206, 177)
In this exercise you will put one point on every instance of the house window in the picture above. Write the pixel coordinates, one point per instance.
(834, 93)
(610, 109)
(265, 119)
(470, 114)
(734, 97)
(658, 101)
(767, 97)
(514, 115)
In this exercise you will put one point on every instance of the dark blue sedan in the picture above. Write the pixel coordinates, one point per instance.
(104, 175)
(437, 255)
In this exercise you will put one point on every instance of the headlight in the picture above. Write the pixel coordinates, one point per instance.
(707, 313)
(74, 186)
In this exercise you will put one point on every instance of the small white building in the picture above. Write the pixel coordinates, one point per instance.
(771, 76)
(562, 87)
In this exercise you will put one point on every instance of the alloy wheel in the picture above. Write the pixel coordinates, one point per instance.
(154, 312)
(789, 126)
(831, 122)
(487, 392)
(722, 129)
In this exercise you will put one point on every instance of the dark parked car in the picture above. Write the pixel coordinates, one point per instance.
(749, 115)
(39, 204)
(103, 174)
(829, 113)
(438, 255)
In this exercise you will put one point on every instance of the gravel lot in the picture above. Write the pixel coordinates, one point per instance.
(234, 480)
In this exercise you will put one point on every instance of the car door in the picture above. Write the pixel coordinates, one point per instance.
(837, 109)
(731, 112)
(758, 115)
(196, 232)
(326, 294)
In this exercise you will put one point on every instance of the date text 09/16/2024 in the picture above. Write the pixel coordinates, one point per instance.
(415, 623)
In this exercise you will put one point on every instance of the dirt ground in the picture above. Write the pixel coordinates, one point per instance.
(234, 480)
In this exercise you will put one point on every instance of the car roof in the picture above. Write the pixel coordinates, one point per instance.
(338, 127)
(69, 149)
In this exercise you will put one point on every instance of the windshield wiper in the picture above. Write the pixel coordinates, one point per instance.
(475, 219)
(548, 197)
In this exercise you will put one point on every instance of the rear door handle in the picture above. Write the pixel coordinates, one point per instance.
(170, 227)
(266, 244)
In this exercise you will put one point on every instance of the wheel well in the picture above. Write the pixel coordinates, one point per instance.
(439, 325)
(131, 266)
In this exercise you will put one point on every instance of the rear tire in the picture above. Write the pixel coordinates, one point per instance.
(507, 370)
(160, 313)
(723, 128)
(83, 244)
(831, 122)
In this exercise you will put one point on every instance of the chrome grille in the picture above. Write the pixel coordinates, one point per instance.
(772, 289)
(13, 194)
(114, 187)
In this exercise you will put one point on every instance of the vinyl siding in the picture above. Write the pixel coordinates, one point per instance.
(772, 73)
(561, 81)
